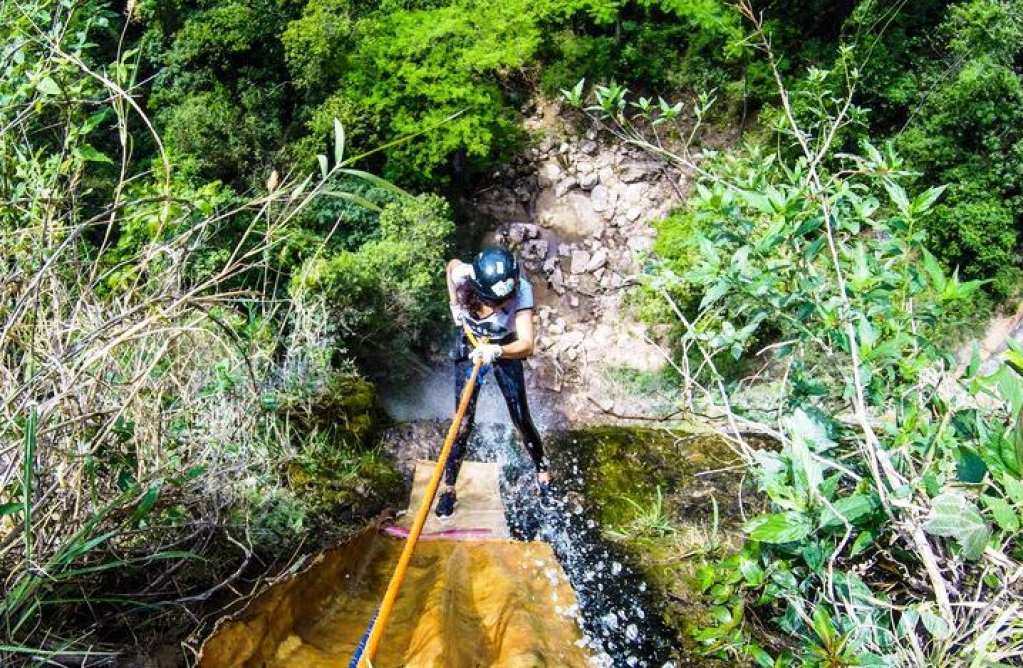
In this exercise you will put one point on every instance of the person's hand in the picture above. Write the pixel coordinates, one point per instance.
(458, 314)
(485, 354)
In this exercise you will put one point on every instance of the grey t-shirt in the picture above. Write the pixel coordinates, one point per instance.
(500, 323)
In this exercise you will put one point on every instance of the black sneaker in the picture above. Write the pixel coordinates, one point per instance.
(446, 503)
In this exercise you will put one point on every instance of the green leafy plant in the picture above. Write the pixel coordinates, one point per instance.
(884, 446)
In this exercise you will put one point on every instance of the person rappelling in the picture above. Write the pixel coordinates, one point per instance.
(492, 306)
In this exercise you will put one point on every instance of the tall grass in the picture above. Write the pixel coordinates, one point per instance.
(131, 428)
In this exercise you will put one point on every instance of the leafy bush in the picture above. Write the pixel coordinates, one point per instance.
(878, 297)
(889, 454)
(968, 135)
(388, 298)
(133, 367)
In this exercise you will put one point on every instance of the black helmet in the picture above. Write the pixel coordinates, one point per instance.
(495, 274)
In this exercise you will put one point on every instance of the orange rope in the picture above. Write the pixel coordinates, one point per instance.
(417, 528)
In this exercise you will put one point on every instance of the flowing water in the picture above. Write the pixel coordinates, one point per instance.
(615, 609)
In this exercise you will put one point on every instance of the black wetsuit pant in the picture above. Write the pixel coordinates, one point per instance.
(512, 382)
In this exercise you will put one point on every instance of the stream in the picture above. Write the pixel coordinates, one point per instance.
(615, 606)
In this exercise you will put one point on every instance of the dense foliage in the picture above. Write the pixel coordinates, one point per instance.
(893, 457)
(244, 87)
(196, 281)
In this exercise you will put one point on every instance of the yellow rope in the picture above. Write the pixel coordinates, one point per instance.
(417, 526)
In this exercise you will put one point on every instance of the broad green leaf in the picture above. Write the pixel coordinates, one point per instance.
(850, 507)
(925, 200)
(716, 292)
(1014, 356)
(862, 542)
(47, 86)
(898, 195)
(805, 428)
(751, 571)
(809, 226)
(1004, 514)
(970, 467)
(1017, 442)
(90, 154)
(1014, 488)
(975, 361)
(822, 625)
(935, 625)
(759, 202)
(762, 658)
(779, 527)
(11, 508)
(934, 271)
(954, 516)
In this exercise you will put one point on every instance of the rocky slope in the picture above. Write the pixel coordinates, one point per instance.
(580, 214)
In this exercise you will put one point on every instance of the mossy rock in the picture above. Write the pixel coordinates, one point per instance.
(352, 480)
(624, 467)
(343, 407)
(643, 488)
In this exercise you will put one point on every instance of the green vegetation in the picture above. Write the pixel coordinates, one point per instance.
(893, 458)
(201, 269)
(645, 493)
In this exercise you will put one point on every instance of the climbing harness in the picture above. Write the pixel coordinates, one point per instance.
(476, 342)
(367, 649)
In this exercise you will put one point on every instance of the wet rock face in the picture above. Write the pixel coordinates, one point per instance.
(582, 234)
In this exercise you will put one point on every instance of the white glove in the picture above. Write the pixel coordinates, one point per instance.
(458, 314)
(485, 354)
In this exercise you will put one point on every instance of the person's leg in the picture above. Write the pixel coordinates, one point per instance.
(512, 381)
(454, 463)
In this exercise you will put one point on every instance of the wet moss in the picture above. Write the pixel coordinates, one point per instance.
(340, 472)
(668, 498)
(344, 481)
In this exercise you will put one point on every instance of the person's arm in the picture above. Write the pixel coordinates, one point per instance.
(457, 309)
(452, 298)
(523, 346)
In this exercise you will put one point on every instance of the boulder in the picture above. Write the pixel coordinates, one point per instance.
(534, 250)
(571, 339)
(589, 180)
(632, 171)
(565, 185)
(641, 244)
(597, 260)
(580, 260)
(557, 280)
(517, 233)
(634, 193)
(603, 199)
